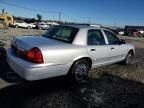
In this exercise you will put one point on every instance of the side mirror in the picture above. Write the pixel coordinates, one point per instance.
(122, 42)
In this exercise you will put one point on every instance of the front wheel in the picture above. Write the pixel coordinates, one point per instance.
(79, 70)
(128, 58)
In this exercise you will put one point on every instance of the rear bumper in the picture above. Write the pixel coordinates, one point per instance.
(30, 71)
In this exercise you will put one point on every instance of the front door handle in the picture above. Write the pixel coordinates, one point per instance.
(93, 49)
(112, 48)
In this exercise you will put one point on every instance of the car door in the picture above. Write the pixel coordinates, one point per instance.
(117, 50)
(97, 48)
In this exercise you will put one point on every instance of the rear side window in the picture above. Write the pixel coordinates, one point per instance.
(112, 39)
(62, 33)
(95, 37)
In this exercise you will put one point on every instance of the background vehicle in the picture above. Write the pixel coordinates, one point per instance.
(42, 26)
(6, 19)
(70, 49)
(133, 30)
(121, 33)
(24, 25)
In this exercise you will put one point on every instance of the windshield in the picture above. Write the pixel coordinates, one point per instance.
(62, 33)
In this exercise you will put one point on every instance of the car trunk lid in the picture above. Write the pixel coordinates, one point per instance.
(27, 42)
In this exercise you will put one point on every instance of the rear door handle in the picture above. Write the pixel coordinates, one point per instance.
(112, 48)
(93, 49)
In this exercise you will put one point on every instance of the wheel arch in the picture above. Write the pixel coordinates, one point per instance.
(83, 58)
(132, 50)
(29, 27)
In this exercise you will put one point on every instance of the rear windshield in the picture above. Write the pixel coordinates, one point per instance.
(62, 33)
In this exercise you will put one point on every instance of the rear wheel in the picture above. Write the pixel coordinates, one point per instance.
(40, 28)
(28, 27)
(11, 77)
(16, 26)
(79, 70)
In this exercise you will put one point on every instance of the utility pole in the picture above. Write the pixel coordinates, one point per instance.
(115, 24)
(3, 10)
(89, 20)
(59, 13)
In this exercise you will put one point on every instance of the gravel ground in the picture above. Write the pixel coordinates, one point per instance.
(7, 34)
(112, 86)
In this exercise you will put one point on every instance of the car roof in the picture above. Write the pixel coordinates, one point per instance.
(81, 26)
(87, 27)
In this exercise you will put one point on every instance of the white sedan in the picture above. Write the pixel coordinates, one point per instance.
(67, 50)
(24, 25)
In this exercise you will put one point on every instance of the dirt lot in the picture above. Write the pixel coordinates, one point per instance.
(113, 86)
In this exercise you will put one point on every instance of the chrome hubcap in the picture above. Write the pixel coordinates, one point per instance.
(129, 58)
(81, 71)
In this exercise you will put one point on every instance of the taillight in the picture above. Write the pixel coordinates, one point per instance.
(34, 55)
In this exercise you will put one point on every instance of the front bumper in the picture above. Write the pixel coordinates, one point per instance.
(30, 71)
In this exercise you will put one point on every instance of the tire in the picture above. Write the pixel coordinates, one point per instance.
(28, 27)
(11, 77)
(128, 58)
(16, 26)
(40, 28)
(79, 70)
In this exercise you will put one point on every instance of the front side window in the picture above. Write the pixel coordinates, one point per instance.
(62, 33)
(112, 39)
(95, 37)
(8, 18)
